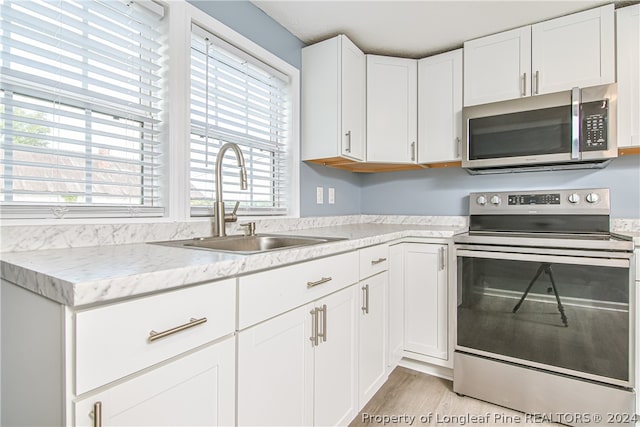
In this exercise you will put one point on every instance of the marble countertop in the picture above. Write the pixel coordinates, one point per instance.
(88, 275)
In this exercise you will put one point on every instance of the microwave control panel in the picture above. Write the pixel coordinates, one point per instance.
(594, 126)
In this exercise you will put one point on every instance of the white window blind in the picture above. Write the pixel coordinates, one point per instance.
(236, 98)
(79, 108)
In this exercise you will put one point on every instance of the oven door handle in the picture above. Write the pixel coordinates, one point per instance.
(557, 259)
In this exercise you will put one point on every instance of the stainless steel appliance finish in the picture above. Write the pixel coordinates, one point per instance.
(545, 295)
(564, 130)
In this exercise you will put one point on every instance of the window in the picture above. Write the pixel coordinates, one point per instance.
(79, 108)
(236, 98)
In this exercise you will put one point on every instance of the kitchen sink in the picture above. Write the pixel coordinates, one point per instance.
(248, 244)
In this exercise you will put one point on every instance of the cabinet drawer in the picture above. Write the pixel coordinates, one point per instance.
(373, 260)
(195, 390)
(113, 341)
(268, 294)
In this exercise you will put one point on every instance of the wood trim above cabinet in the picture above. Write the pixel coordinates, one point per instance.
(364, 167)
(627, 151)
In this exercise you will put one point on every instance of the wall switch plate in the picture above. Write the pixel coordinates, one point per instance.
(319, 195)
(332, 195)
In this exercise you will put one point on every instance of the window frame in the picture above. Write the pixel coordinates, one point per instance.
(182, 17)
(175, 120)
(38, 212)
(215, 126)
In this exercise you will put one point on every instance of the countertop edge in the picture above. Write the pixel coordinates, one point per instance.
(78, 294)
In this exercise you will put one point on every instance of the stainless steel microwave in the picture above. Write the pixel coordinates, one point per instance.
(570, 129)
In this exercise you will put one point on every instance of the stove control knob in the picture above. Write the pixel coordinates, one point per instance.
(574, 198)
(495, 200)
(481, 200)
(593, 198)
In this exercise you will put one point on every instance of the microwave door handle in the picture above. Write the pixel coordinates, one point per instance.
(575, 123)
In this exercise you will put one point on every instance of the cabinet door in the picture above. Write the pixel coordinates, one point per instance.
(195, 390)
(497, 67)
(574, 50)
(275, 371)
(425, 300)
(391, 109)
(628, 28)
(335, 360)
(333, 100)
(440, 107)
(395, 306)
(372, 366)
(353, 100)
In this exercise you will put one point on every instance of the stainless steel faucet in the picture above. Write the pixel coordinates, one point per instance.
(220, 218)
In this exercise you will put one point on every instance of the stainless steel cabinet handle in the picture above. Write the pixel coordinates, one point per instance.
(323, 311)
(314, 327)
(378, 261)
(348, 147)
(537, 82)
(153, 335)
(413, 151)
(365, 297)
(97, 414)
(458, 147)
(319, 282)
(442, 258)
(524, 84)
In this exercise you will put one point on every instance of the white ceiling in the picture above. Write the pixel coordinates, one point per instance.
(413, 29)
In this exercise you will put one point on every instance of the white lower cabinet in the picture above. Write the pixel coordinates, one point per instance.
(426, 322)
(395, 304)
(372, 364)
(161, 360)
(275, 371)
(195, 390)
(298, 368)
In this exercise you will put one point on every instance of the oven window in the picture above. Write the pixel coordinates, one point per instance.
(528, 133)
(587, 332)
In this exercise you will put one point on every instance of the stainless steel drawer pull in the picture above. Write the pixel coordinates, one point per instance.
(314, 327)
(323, 334)
(365, 307)
(153, 335)
(378, 261)
(319, 282)
(96, 414)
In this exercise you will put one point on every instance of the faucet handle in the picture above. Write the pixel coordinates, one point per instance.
(232, 217)
(235, 208)
(251, 228)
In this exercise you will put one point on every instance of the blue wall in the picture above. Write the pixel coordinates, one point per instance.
(445, 191)
(424, 192)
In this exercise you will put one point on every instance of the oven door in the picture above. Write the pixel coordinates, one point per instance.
(566, 311)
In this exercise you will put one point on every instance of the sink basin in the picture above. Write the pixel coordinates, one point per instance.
(249, 244)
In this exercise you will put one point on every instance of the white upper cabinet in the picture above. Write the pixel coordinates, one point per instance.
(440, 107)
(497, 67)
(628, 31)
(392, 102)
(333, 100)
(575, 50)
(555, 55)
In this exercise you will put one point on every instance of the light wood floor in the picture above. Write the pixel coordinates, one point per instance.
(408, 393)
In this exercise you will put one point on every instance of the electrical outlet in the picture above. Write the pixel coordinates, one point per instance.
(319, 195)
(332, 195)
